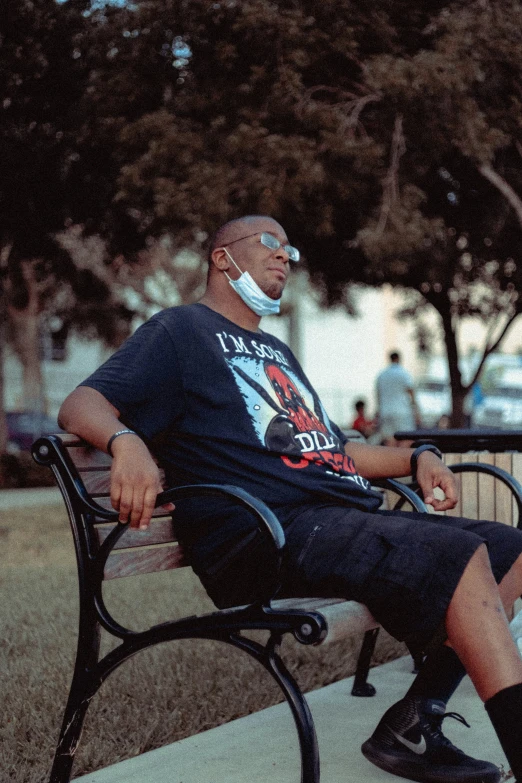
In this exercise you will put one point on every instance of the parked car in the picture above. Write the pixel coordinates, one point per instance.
(500, 407)
(433, 400)
(23, 428)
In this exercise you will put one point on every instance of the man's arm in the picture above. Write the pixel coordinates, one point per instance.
(415, 408)
(135, 477)
(374, 462)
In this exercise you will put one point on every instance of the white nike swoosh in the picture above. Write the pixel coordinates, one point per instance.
(417, 747)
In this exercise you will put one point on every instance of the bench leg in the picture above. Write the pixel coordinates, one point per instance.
(83, 688)
(310, 772)
(361, 686)
(70, 734)
(304, 723)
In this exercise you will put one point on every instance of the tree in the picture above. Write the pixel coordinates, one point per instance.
(43, 78)
(390, 149)
(353, 126)
(450, 218)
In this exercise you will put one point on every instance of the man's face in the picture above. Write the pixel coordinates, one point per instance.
(269, 268)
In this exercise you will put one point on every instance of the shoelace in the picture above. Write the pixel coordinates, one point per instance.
(457, 716)
(434, 724)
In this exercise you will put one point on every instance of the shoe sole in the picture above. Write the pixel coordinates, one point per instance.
(409, 768)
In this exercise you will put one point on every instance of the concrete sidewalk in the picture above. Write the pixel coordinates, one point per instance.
(27, 498)
(263, 747)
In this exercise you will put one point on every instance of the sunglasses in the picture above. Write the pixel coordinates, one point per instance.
(272, 243)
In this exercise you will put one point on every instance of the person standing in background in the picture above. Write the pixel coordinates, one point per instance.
(397, 408)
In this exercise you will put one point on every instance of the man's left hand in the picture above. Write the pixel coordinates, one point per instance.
(431, 473)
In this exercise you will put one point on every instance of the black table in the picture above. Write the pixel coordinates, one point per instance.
(461, 440)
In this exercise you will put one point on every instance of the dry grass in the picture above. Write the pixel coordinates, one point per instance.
(173, 691)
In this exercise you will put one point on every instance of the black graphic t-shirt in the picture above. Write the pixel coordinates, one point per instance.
(220, 404)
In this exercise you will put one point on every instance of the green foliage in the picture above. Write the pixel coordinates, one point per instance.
(384, 137)
(43, 78)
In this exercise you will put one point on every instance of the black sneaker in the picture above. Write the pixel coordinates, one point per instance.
(409, 742)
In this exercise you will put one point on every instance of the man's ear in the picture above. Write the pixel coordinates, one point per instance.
(220, 259)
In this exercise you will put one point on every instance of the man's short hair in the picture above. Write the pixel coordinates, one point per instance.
(359, 404)
(225, 233)
(395, 357)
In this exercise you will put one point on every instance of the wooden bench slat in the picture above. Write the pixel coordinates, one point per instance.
(486, 489)
(105, 502)
(85, 457)
(469, 490)
(97, 480)
(503, 496)
(159, 532)
(131, 562)
(69, 440)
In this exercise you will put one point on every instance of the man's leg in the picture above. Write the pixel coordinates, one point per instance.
(483, 642)
(408, 568)
(442, 671)
(477, 629)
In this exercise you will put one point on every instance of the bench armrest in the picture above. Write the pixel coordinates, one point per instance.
(266, 519)
(405, 491)
(498, 473)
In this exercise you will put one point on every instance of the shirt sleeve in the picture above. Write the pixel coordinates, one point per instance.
(143, 380)
(340, 434)
(408, 380)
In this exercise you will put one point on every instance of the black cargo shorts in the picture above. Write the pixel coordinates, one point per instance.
(404, 566)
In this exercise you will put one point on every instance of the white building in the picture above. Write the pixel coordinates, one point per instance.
(341, 355)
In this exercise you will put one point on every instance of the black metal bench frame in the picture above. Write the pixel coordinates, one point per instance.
(307, 626)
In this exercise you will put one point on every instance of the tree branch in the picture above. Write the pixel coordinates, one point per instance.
(489, 349)
(390, 186)
(504, 187)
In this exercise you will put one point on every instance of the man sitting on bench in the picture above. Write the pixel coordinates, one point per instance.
(217, 400)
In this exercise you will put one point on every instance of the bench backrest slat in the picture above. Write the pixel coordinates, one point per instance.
(159, 532)
(105, 502)
(88, 458)
(98, 480)
(130, 562)
(136, 552)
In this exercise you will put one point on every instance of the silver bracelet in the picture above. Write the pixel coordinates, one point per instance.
(117, 435)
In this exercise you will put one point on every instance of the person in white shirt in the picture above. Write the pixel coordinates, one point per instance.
(397, 408)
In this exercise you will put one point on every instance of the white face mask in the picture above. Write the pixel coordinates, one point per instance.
(247, 288)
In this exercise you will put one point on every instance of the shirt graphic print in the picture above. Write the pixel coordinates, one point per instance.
(288, 419)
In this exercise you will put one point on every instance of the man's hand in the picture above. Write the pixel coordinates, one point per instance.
(135, 481)
(431, 473)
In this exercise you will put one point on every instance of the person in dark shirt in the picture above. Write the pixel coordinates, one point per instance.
(216, 399)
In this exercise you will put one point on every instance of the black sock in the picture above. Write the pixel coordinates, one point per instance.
(505, 713)
(439, 676)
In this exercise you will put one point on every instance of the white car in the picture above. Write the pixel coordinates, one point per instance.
(500, 407)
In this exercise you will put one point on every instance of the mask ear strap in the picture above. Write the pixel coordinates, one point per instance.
(238, 269)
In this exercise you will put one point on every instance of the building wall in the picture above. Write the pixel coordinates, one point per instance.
(60, 377)
(341, 355)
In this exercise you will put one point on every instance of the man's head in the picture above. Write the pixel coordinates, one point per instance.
(359, 407)
(241, 245)
(395, 357)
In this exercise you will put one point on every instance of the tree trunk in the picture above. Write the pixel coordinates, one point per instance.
(25, 331)
(458, 391)
(3, 421)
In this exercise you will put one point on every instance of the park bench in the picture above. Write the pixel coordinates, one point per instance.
(106, 549)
